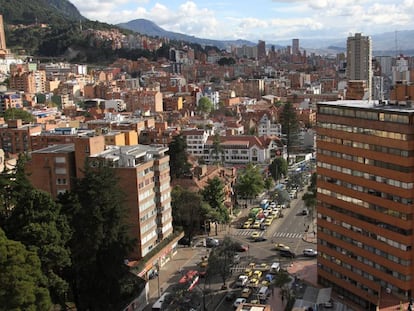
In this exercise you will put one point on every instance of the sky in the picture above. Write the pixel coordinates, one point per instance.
(269, 20)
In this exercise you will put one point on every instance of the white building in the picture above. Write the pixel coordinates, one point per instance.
(267, 127)
(196, 140)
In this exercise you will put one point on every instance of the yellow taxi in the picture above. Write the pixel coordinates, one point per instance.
(255, 235)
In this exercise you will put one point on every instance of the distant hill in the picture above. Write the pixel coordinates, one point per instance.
(38, 11)
(149, 28)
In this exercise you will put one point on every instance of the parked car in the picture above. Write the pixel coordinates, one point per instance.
(310, 252)
(230, 296)
(185, 241)
(211, 242)
(238, 302)
(259, 239)
(242, 280)
(246, 292)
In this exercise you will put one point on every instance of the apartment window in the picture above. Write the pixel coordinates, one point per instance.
(60, 160)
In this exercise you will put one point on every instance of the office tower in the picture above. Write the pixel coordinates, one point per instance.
(2, 35)
(261, 49)
(295, 46)
(365, 195)
(359, 60)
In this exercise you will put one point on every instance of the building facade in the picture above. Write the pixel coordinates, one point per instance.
(359, 60)
(365, 160)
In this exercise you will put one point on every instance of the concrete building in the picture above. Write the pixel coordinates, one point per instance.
(144, 176)
(261, 49)
(295, 47)
(365, 156)
(359, 60)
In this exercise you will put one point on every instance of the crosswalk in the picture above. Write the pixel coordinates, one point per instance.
(289, 235)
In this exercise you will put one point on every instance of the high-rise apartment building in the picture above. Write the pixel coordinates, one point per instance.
(365, 161)
(144, 177)
(2, 36)
(295, 47)
(359, 60)
(261, 49)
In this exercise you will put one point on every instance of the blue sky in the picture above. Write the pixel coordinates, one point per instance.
(269, 20)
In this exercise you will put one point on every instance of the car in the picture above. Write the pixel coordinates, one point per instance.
(246, 292)
(281, 246)
(263, 267)
(203, 264)
(259, 239)
(255, 235)
(212, 242)
(253, 282)
(241, 248)
(328, 304)
(236, 259)
(305, 212)
(248, 271)
(256, 224)
(246, 225)
(238, 302)
(268, 222)
(242, 280)
(287, 253)
(257, 274)
(272, 205)
(270, 217)
(310, 252)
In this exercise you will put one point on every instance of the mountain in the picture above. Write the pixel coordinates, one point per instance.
(146, 27)
(38, 11)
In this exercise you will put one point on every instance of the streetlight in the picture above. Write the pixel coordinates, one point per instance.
(158, 279)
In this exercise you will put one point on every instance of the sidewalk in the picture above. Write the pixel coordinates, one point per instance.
(311, 235)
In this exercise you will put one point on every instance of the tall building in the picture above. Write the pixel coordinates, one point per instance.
(295, 47)
(359, 60)
(144, 176)
(261, 49)
(2, 35)
(365, 159)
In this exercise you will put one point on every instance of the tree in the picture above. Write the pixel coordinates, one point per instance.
(100, 241)
(179, 166)
(188, 210)
(217, 148)
(268, 183)
(278, 168)
(16, 113)
(37, 222)
(22, 284)
(205, 106)
(250, 183)
(213, 194)
(221, 259)
(290, 127)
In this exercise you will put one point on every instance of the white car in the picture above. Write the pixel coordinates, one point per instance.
(238, 302)
(310, 252)
(242, 280)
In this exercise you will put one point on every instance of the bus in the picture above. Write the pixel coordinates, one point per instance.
(191, 278)
(158, 305)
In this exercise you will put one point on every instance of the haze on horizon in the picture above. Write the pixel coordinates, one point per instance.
(261, 19)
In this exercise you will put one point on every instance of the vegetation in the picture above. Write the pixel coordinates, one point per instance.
(250, 183)
(217, 148)
(188, 210)
(290, 127)
(213, 194)
(278, 168)
(179, 166)
(226, 61)
(22, 284)
(16, 113)
(205, 106)
(100, 243)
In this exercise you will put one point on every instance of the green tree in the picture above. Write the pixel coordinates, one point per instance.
(217, 148)
(188, 210)
(22, 284)
(250, 183)
(100, 242)
(268, 183)
(38, 223)
(205, 106)
(15, 113)
(213, 194)
(290, 128)
(278, 168)
(221, 259)
(179, 166)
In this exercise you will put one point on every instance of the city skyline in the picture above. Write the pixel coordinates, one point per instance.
(267, 20)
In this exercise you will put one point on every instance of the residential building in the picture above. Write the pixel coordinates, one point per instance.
(144, 176)
(15, 136)
(268, 127)
(359, 60)
(196, 140)
(365, 156)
